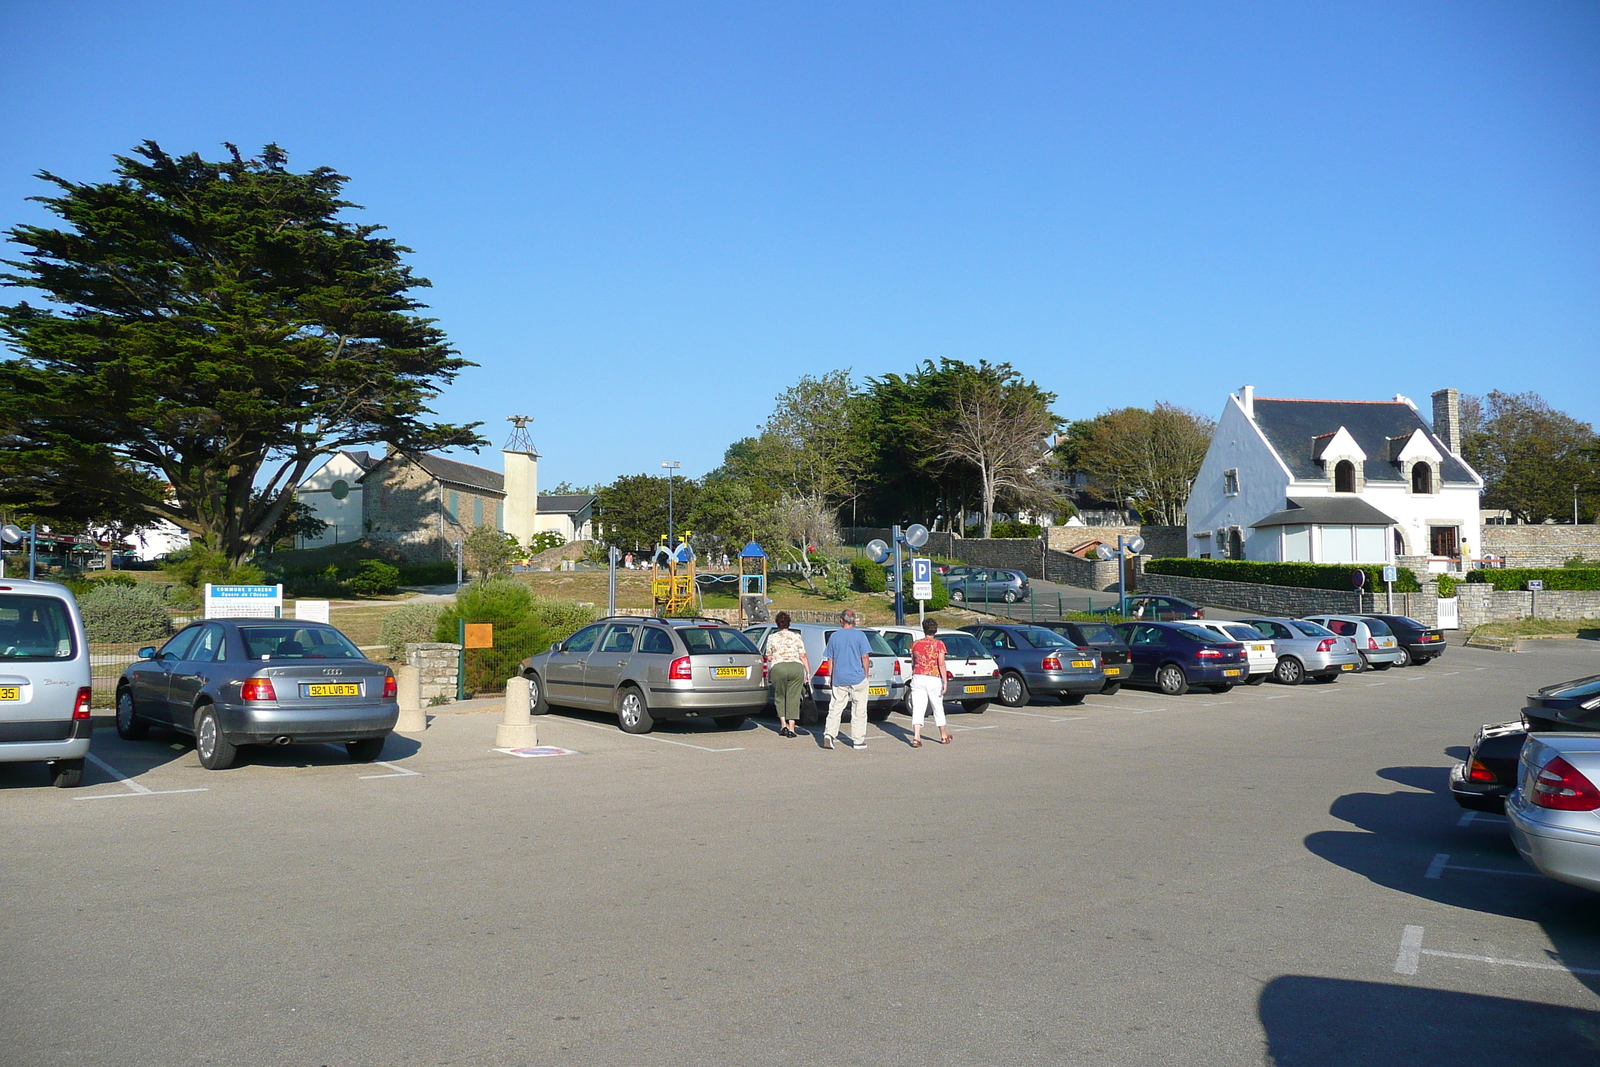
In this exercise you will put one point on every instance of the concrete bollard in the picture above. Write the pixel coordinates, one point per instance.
(413, 720)
(516, 729)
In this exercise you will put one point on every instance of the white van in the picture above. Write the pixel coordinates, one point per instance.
(44, 679)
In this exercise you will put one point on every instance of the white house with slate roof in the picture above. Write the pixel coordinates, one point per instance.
(333, 494)
(1336, 481)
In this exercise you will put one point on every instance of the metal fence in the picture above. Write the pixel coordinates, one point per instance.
(1046, 608)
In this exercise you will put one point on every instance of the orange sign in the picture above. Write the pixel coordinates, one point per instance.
(479, 635)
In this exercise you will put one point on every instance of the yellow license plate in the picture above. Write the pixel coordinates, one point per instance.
(10, 692)
(333, 689)
(878, 690)
(1113, 670)
(1230, 674)
(976, 688)
(1082, 663)
(733, 672)
(1347, 666)
(1258, 648)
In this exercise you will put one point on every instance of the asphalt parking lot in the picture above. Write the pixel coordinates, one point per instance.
(1273, 875)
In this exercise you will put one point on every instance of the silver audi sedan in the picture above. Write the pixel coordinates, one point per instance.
(234, 682)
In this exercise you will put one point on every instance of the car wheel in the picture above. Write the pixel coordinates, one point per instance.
(957, 596)
(1365, 666)
(1171, 680)
(129, 726)
(1013, 690)
(1255, 679)
(1011, 596)
(216, 752)
(729, 722)
(537, 705)
(1111, 689)
(66, 773)
(975, 707)
(1289, 671)
(633, 714)
(1405, 657)
(1072, 700)
(365, 750)
(1380, 666)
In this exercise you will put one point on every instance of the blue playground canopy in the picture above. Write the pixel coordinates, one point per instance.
(752, 551)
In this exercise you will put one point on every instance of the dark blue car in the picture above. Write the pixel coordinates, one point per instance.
(1173, 656)
(1035, 660)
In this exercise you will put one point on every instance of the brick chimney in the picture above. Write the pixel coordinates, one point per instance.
(1447, 418)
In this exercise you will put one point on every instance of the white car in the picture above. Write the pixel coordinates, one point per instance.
(1258, 647)
(1555, 811)
(44, 679)
(973, 676)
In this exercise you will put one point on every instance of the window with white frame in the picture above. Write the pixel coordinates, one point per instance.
(1297, 544)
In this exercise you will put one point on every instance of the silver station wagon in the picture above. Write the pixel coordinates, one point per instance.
(44, 679)
(649, 670)
(234, 682)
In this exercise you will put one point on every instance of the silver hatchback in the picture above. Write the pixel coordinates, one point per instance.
(1374, 640)
(1307, 650)
(886, 685)
(44, 679)
(645, 670)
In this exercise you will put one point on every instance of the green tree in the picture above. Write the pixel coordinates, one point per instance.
(1531, 456)
(997, 426)
(727, 513)
(212, 330)
(1151, 456)
(631, 512)
(489, 551)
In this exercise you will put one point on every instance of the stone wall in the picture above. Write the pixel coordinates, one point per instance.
(1480, 603)
(940, 542)
(1012, 553)
(437, 663)
(405, 507)
(1097, 574)
(1540, 546)
(1161, 542)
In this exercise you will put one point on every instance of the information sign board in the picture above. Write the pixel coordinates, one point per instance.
(1535, 585)
(1388, 573)
(921, 579)
(244, 601)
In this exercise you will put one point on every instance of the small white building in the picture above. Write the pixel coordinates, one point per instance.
(1335, 481)
(333, 492)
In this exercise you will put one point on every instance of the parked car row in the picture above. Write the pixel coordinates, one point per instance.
(1541, 771)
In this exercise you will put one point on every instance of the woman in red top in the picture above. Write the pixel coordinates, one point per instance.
(927, 684)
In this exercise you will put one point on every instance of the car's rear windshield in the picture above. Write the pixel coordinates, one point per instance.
(1378, 627)
(875, 641)
(34, 628)
(962, 646)
(1039, 637)
(901, 643)
(701, 640)
(1245, 633)
(1098, 633)
(296, 642)
(1310, 629)
(1406, 620)
(1200, 633)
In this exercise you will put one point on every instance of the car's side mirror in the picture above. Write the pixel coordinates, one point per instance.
(148, 652)
(555, 646)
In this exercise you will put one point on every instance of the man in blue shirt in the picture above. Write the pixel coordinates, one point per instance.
(849, 658)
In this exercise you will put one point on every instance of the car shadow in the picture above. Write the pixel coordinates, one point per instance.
(1323, 1022)
(1397, 836)
(323, 754)
(130, 758)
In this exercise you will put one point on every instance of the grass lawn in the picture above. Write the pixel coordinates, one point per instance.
(1540, 627)
(633, 591)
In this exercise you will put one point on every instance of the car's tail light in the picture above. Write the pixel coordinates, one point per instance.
(766, 671)
(80, 709)
(1327, 644)
(1477, 772)
(257, 689)
(1562, 786)
(897, 668)
(391, 688)
(995, 673)
(682, 670)
(949, 677)
(1372, 643)
(825, 669)
(1199, 613)
(1051, 663)
(1209, 653)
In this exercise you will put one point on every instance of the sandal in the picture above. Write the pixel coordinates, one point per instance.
(946, 739)
(916, 742)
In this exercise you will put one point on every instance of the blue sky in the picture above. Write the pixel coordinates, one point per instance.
(644, 221)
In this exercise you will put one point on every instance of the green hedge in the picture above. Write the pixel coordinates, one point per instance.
(1293, 575)
(1446, 584)
(1508, 578)
(867, 576)
(119, 614)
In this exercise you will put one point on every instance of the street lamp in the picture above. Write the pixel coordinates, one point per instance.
(670, 468)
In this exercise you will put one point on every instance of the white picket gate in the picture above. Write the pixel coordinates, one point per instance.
(1449, 613)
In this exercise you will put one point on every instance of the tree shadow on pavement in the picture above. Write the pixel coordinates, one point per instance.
(1324, 1022)
(1397, 835)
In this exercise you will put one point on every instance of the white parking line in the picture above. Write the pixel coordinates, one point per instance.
(399, 771)
(1411, 953)
(1473, 816)
(136, 790)
(1436, 868)
(1036, 715)
(1441, 863)
(648, 737)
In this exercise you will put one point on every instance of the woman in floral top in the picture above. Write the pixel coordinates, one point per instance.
(788, 668)
(927, 684)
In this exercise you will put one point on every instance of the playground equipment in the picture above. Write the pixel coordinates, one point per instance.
(672, 590)
(752, 584)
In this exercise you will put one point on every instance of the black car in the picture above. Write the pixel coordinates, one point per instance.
(1489, 774)
(1163, 608)
(1419, 642)
(1114, 654)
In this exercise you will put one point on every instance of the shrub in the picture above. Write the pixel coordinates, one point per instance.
(120, 614)
(523, 624)
(373, 577)
(440, 572)
(1292, 575)
(941, 595)
(1511, 578)
(1447, 585)
(409, 623)
(836, 583)
(82, 585)
(195, 567)
(867, 576)
(1017, 529)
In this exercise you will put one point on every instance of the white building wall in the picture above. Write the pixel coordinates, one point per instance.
(343, 516)
(521, 518)
(1263, 484)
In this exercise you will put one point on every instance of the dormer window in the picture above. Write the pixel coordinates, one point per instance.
(1344, 477)
(1421, 478)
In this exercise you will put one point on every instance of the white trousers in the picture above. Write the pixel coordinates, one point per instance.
(926, 690)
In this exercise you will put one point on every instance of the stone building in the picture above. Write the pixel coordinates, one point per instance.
(422, 504)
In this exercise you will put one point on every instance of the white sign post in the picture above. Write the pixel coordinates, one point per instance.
(1388, 580)
(921, 583)
(244, 601)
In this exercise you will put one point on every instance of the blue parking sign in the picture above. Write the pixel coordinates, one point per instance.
(921, 579)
